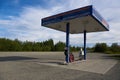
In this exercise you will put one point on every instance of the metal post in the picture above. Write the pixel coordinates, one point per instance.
(84, 44)
(67, 40)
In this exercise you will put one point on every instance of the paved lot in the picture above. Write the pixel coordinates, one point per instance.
(47, 66)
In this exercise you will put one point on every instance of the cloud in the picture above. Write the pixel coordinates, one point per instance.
(27, 26)
(78, 3)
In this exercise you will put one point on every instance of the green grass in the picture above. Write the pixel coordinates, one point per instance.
(115, 56)
(110, 52)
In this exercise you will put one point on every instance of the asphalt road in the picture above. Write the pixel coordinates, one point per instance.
(24, 66)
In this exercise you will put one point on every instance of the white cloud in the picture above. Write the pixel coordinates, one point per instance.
(28, 25)
(78, 3)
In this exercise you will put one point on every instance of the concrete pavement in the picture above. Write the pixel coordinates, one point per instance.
(91, 65)
(47, 66)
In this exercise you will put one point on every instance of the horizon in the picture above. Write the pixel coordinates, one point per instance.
(89, 45)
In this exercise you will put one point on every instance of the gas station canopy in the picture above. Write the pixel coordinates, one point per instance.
(82, 20)
(85, 18)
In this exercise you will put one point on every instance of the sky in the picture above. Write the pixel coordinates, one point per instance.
(21, 19)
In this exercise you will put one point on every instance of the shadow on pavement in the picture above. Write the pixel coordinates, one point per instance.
(15, 58)
(113, 56)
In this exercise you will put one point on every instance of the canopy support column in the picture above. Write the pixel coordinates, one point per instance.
(84, 44)
(67, 40)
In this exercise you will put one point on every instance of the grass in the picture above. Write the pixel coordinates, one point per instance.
(110, 52)
(115, 56)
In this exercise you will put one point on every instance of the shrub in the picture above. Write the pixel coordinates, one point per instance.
(100, 47)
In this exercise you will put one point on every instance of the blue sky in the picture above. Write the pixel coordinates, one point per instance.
(21, 19)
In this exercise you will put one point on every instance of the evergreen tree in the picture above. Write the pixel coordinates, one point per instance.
(115, 47)
(100, 47)
(59, 46)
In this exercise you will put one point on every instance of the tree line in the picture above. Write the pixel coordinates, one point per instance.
(103, 47)
(48, 45)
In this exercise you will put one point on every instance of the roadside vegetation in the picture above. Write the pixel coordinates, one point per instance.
(104, 48)
(48, 45)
